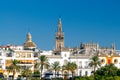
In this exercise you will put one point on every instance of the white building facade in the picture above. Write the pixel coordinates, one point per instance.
(28, 55)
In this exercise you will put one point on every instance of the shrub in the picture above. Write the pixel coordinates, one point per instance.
(91, 78)
(83, 78)
(36, 72)
(57, 78)
(109, 78)
(116, 78)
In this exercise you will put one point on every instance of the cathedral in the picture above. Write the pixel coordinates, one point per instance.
(81, 55)
(28, 54)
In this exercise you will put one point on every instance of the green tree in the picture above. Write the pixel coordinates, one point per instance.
(111, 69)
(56, 67)
(118, 72)
(36, 66)
(95, 62)
(74, 67)
(47, 65)
(70, 67)
(13, 68)
(27, 73)
(43, 61)
(108, 70)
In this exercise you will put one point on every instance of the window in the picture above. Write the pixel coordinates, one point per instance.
(0, 53)
(80, 72)
(115, 61)
(17, 55)
(65, 55)
(35, 54)
(80, 64)
(0, 67)
(86, 73)
(86, 64)
(23, 55)
(103, 61)
(29, 55)
(9, 54)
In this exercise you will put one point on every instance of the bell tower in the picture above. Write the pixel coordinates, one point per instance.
(59, 36)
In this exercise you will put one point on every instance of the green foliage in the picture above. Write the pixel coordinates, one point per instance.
(95, 62)
(44, 79)
(76, 78)
(98, 78)
(56, 67)
(43, 62)
(36, 72)
(13, 67)
(36, 79)
(109, 78)
(91, 78)
(27, 73)
(116, 78)
(70, 66)
(118, 72)
(82, 78)
(108, 70)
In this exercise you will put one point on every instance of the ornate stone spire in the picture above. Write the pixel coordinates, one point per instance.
(29, 37)
(59, 25)
(59, 36)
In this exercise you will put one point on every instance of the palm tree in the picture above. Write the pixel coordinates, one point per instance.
(27, 73)
(43, 61)
(70, 66)
(36, 66)
(56, 67)
(13, 68)
(9, 69)
(95, 62)
(74, 67)
(47, 65)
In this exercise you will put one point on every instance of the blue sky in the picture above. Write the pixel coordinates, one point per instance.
(83, 21)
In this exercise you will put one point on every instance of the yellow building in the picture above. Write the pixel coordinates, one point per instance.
(25, 55)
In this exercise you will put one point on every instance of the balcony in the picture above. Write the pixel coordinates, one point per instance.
(25, 62)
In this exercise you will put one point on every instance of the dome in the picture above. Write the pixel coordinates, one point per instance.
(29, 44)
